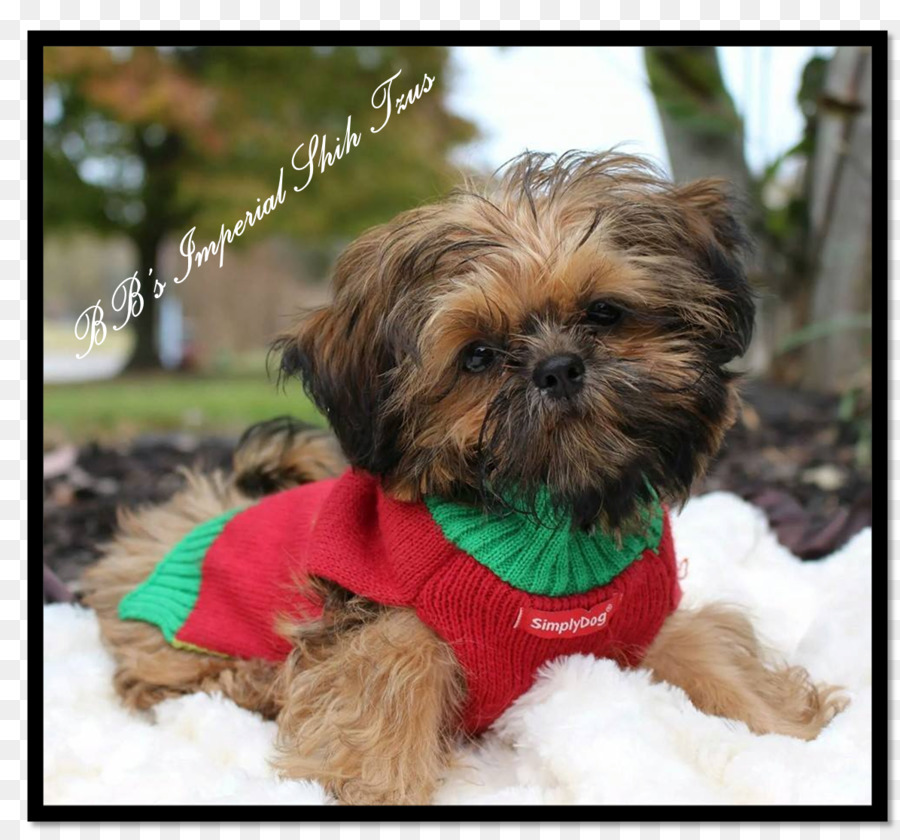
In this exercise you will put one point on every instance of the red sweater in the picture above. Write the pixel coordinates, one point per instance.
(348, 531)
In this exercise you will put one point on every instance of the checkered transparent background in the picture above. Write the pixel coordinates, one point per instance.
(16, 18)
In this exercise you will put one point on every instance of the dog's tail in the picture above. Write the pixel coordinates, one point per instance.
(284, 452)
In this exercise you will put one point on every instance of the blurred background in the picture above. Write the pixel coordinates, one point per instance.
(141, 144)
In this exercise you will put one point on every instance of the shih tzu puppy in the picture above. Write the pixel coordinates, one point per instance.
(519, 379)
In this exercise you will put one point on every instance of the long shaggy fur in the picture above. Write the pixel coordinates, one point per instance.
(369, 700)
(714, 655)
(515, 263)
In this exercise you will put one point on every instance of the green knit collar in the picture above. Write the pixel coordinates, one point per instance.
(539, 558)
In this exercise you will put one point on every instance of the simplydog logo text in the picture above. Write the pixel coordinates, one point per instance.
(566, 624)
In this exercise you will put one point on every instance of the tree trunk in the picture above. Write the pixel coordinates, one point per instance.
(840, 207)
(703, 130)
(705, 139)
(161, 216)
(145, 355)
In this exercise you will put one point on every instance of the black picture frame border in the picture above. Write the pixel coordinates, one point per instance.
(877, 811)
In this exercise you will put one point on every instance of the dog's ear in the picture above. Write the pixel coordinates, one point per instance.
(341, 355)
(722, 249)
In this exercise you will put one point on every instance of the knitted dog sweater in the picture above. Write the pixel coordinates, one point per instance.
(507, 592)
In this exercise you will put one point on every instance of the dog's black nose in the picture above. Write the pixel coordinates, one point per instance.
(560, 376)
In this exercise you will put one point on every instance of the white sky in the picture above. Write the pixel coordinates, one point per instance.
(551, 99)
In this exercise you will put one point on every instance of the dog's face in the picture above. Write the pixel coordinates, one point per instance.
(565, 328)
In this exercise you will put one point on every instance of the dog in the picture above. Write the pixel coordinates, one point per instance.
(519, 380)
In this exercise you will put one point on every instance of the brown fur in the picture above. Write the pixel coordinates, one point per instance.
(284, 452)
(370, 710)
(714, 655)
(514, 264)
(369, 700)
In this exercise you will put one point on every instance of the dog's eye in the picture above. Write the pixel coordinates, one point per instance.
(478, 357)
(603, 314)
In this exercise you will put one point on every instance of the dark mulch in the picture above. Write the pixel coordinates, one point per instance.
(791, 456)
(788, 454)
(85, 486)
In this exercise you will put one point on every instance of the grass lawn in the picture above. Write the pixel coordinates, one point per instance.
(129, 406)
(59, 337)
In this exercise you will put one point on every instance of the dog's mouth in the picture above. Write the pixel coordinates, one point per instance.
(567, 462)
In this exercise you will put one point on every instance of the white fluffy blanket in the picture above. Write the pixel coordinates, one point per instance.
(585, 733)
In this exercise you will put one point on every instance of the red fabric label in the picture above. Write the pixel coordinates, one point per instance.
(566, 624)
